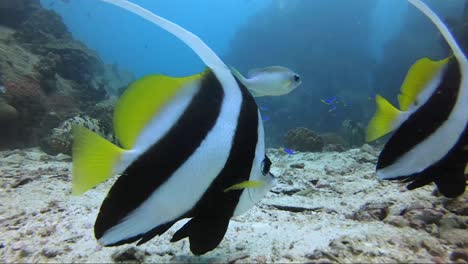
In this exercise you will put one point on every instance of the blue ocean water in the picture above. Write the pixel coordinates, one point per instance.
(142, 48)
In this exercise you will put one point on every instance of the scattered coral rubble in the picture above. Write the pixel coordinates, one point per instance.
(327, 207)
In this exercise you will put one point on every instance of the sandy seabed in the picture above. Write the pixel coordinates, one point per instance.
(327, 207)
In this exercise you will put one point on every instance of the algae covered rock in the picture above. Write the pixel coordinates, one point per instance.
(60, 140)
(8, 123)
(303, 139)
(14, 12)
(354, 132)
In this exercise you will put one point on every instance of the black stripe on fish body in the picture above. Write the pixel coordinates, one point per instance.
(212, 213)
(448, 173)
(163, 158)
(425, 120)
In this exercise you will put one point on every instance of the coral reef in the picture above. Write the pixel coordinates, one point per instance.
(354, 132)
(14, 12)
(8, 121)
(333, 142)
(303, 139)
(49, 77)
(28, 100)
(61, 138)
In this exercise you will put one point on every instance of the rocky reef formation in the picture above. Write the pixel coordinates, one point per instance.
(333, 142)
(303, 139)
(60, 139)
(48, 77)
(353, 132)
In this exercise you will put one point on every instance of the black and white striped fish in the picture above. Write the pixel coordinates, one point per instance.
(193, 147)
(430, 139)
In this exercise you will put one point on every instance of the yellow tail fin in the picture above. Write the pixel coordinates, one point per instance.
(383, 121)
(94, 159)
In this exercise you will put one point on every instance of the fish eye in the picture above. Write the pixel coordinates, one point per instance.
(266, 164)
(297, 78)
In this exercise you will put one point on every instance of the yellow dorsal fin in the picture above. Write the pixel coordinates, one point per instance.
(383, 121)
(142, 100)
(94, 159)
(245, 184)
(419, 76)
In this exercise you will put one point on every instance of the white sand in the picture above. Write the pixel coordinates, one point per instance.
(41, 222)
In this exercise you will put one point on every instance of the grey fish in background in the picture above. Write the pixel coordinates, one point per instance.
(269, 81)
(430, 139)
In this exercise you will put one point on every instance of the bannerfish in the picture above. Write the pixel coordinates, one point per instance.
(192, 147)
(269, 81)
(430, 128)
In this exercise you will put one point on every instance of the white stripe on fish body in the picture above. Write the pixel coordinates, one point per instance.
(250, 196)
(437, 144)
(189, 181)
(446, 136)
(157, 127)
(208, 56)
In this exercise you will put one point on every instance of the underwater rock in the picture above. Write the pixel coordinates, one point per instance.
(297, 165)
(60, 139)
(459, 255)
(16, 63)
(103, 111)
(15, 12)
(354, 132)
(8, 114)
(45, 34)
(303, 139)
(333, 148)
(372, 211)
(333, 142)
(41, 27)
(457, 206)
(29, 102)
(129, 255)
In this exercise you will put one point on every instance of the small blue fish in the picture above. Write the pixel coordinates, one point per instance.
(290, 152)
(330, 101)
(265, 118)
(333, 108)
(263, 108)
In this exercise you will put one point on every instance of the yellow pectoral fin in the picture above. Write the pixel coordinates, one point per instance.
(94, 159)
(383, 121)
(244, 185)
(142, 100)
(419, 76)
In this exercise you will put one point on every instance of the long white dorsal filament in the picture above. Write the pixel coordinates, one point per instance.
(442, 28)
(207, 55)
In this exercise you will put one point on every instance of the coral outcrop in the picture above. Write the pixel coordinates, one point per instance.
(303, 139)
(48, 78)
(60, 139)
(354, 132)
(333, 142)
